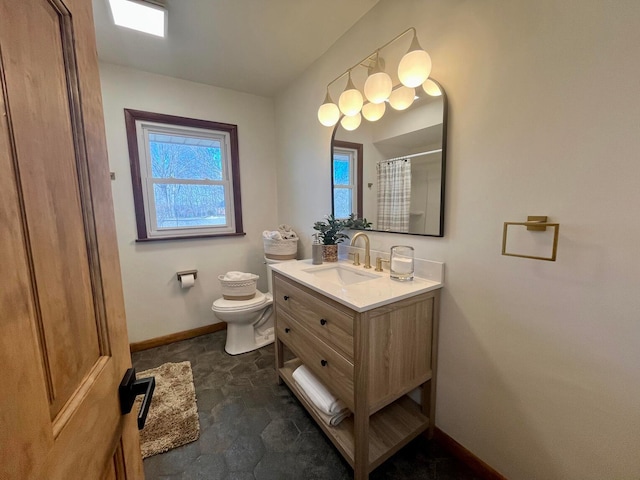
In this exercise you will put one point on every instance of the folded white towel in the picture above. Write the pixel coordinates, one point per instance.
(331, 420)
(239, 276)
(272, 235)
(317, 392)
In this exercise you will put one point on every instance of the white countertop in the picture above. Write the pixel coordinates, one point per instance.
(375, 292)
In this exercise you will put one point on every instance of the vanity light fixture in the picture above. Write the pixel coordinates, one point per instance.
(413, 70)
(148, 16)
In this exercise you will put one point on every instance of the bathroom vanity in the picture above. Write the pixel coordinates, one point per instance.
(371, 340)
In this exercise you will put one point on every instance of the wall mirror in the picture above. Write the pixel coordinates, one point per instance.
(392, 171)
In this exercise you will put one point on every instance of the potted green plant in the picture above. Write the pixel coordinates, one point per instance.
(330, 235)
(355, 223)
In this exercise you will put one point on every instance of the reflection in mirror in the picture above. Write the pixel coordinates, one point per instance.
(392, 171)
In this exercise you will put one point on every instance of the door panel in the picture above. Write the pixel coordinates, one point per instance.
(63, 342)
(42, 123)
(24, 404)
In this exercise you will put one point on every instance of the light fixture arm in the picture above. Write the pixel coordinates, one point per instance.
(376, 52)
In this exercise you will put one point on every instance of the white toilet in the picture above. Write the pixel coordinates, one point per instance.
(249, 322)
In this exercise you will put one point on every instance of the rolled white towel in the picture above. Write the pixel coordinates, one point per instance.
(287, 232)
(239, 276)
(317, 392)
(331, 420)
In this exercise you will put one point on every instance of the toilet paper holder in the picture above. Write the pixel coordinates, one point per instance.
(185, 273)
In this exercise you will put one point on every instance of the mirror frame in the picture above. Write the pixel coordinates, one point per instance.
(359, 207)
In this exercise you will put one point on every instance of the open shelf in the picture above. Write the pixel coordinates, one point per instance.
(390, 428)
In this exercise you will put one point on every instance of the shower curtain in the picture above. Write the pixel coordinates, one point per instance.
(394, 194)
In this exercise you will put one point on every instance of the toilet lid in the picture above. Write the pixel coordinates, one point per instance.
(222, 304)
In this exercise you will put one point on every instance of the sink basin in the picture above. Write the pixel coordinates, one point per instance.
(340, 275)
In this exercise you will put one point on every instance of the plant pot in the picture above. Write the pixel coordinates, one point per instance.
(330, 253)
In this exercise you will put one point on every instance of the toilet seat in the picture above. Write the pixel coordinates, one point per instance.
(224, 305)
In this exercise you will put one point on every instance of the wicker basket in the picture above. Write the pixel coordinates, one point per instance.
(238, 289)
(280, 249)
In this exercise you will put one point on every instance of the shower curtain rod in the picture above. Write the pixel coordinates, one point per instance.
(413, 155)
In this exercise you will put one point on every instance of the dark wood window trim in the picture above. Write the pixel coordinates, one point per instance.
(359, 169)
(131, 116)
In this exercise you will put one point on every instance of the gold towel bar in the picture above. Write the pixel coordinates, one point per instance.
(534, 223)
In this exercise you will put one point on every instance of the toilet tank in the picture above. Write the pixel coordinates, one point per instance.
(269, 262)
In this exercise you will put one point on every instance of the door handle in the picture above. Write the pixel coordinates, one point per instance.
(130, 388)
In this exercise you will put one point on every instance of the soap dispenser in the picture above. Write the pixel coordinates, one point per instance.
(316, 251)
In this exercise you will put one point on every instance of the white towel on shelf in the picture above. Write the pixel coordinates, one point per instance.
(331, 420)
(239, 276)
(317, 392)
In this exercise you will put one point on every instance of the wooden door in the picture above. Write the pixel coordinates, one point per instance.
(63, 340)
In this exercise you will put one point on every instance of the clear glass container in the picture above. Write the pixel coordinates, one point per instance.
(401, 263)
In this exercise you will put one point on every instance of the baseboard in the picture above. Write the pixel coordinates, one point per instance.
(476, 465)
(176, 337)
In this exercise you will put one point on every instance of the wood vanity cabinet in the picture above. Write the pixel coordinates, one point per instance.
(370, 360)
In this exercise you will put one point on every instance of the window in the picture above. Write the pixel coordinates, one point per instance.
(346, 167)
(185, 176)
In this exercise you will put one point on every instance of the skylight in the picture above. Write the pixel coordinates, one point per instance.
(139, 15)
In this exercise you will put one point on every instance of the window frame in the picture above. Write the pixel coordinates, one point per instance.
(354, 150)
(140, 181)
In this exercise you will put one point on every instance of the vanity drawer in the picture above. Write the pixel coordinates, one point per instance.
(331, 324)
(335, 371)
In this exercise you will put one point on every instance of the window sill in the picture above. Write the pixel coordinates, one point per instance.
(189, 237)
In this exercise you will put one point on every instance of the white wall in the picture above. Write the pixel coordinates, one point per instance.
(155, 304)
(539, 361)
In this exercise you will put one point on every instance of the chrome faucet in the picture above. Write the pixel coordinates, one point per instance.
(367, 251)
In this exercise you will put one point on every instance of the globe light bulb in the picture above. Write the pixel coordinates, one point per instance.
(378, 86)
(328, 113)
(415, 66)
(373, 111)
(431, 88)
(402, 98)
(350, 101)
(351, 122)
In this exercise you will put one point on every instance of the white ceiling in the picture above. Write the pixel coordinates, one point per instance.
(254, 46)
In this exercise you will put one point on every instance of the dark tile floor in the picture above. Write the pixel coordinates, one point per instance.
(253, 429)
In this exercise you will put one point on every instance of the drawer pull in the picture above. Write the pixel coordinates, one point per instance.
(323, 321)
(287, 330)
(323, 363)
(286, 297)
